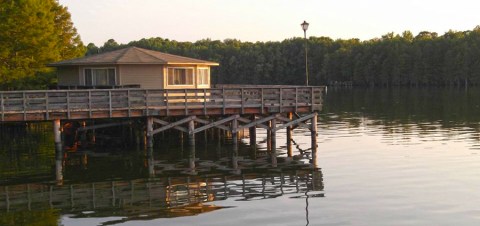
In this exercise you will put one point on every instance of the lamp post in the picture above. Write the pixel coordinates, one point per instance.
(305, 27)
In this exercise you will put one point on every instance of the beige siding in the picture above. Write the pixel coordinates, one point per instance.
(68, 76)
(147, 76)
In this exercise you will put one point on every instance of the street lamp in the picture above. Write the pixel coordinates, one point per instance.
(305, 27)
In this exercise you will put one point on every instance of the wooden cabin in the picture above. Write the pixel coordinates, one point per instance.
(134, 67)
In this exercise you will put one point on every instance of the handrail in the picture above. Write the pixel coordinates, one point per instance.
(105, 103)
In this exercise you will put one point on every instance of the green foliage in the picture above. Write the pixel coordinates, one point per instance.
(426, 59)
(32, 34)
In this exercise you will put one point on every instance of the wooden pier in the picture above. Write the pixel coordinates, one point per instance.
(231, 108)
(41, 105)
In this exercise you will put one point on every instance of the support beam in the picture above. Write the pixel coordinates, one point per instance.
(84, 128)
(296, 121)
(173, 125)
(217, 123)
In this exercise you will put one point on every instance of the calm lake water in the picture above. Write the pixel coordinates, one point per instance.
(386, 157)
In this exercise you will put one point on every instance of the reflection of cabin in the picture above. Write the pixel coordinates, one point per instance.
(135, 67)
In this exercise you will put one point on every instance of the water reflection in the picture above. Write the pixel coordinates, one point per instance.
(158, 197)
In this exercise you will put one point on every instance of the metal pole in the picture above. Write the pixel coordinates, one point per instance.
(306, 57)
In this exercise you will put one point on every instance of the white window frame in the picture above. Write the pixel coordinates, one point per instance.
(183, 68)
(207, 76)
(93, 75)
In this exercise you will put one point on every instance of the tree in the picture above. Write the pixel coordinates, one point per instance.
(34, 33)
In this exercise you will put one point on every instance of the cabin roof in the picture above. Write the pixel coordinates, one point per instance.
(132, 55)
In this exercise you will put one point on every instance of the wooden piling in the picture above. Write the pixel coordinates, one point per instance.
(252, 132)
(273, 135)
(289, 137)
(269, 136)
(57, 133)
(149, 132)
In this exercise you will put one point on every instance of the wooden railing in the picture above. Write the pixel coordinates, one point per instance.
(40, 105)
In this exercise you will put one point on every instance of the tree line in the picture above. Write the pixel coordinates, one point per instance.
(426, 59)
(34, 33)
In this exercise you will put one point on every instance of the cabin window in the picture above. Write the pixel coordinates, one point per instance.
(180, 76)
(100, 77)
(202, 76)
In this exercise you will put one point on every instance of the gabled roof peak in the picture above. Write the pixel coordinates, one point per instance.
(132, 55)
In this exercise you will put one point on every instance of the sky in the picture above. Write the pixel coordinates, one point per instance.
(265, 20)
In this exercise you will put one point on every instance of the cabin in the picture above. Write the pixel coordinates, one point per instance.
(134, 67)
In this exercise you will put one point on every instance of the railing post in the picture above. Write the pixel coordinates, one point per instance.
(262, 99)
(68, 104)
(224, 100)
(128, 103)
(280, 90)
(186, 100)
(243, 101)
(47, 115)
(110, 103)
(205, 101)
(146, 103)
(24, 106)
(166, 102)
(312, 96)
(296, 99)
(2, 107)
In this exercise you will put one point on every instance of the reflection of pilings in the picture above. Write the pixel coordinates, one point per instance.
(314, 134)
(150, 161)
(154, 192)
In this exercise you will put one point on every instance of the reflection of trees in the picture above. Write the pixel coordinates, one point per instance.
(26, 150)
(402, 111)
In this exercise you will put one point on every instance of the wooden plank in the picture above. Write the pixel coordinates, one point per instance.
(161, 122)
(174, 124)
(244, 120)
(215, 124)
(294, 122)
(258, 122)
(203, 121)
(2, 107)
(300, 124)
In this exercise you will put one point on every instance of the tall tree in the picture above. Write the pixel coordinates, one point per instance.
(32, 34)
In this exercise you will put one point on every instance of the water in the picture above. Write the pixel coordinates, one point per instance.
(386, 157)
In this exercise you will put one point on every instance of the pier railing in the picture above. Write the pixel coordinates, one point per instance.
(38, 105)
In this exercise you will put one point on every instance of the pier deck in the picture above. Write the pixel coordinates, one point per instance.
(44, 105)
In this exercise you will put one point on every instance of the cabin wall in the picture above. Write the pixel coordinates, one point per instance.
(147, 76)
(68, 76)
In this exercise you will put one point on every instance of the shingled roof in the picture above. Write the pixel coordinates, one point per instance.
(132, 55)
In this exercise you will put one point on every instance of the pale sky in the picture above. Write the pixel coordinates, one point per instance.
(265, 20)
